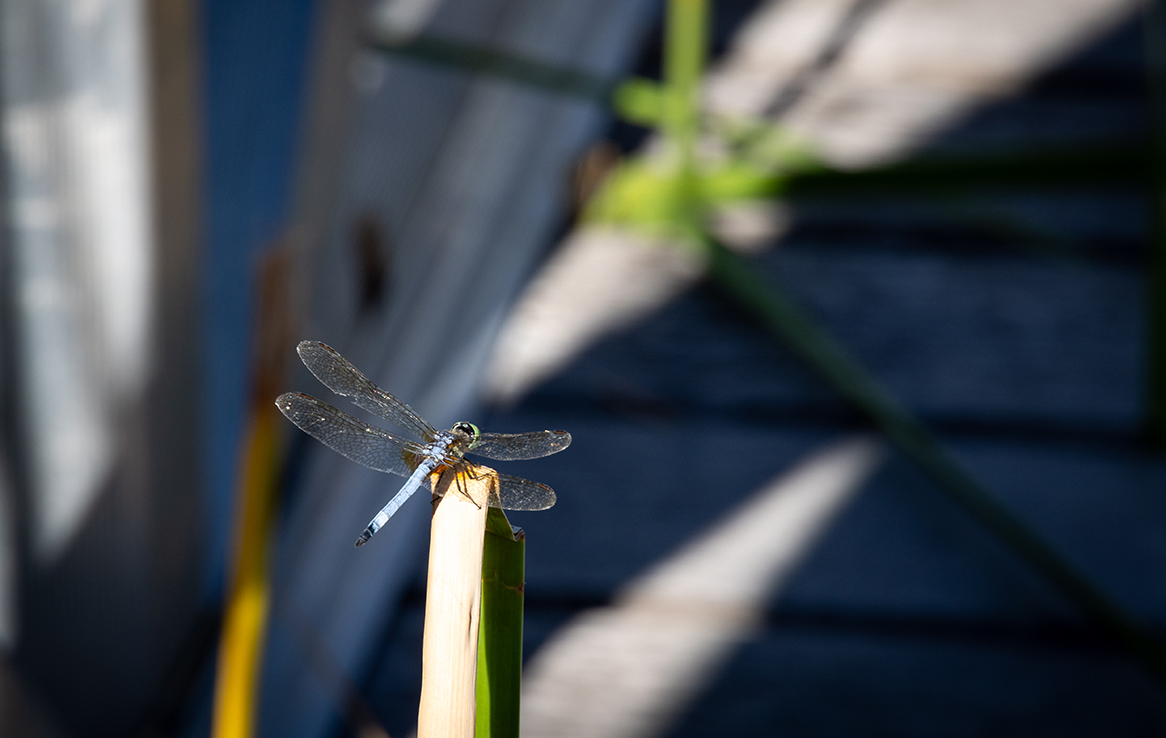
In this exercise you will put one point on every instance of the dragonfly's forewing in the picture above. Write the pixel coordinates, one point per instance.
(344, 379)
(520, 446)
(349, 435)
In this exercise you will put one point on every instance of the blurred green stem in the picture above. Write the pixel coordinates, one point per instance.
(684, 58)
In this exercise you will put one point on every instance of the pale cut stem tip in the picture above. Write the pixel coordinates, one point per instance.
(452, 608)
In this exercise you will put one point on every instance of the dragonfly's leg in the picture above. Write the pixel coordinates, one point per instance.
(460, 486)
(465, 492)
(440, 489)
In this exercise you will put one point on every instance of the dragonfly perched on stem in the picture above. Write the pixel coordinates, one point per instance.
(438, 451)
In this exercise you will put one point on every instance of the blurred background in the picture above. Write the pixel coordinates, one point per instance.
(856, 310)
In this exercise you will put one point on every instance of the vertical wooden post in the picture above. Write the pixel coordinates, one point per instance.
(452, 607)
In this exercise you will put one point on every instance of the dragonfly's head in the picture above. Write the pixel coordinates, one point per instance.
(468, 432)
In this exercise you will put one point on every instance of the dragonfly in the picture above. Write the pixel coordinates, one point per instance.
(435, 453)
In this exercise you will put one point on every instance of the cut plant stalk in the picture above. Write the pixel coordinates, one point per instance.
(452, 606)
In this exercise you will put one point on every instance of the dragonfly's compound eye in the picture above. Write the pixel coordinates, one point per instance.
(470, 430)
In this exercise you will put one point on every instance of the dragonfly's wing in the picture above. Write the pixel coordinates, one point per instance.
(349, 435)
(519, 446)
(516, 493)
(344, 379)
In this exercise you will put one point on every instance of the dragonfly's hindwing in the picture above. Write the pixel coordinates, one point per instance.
(516, 493)
(511, 493)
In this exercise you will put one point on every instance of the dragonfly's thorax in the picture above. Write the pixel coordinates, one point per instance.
(453, 442)
(443, 445)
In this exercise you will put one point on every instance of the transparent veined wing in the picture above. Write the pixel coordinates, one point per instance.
(350, 436)
(521, 446)
(334, 371)
(513, 493)
(516, 493)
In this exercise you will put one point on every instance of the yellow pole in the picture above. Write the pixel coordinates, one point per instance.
(245, 616)
(248, 598)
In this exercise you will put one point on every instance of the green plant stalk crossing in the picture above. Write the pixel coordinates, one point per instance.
(827, 358)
